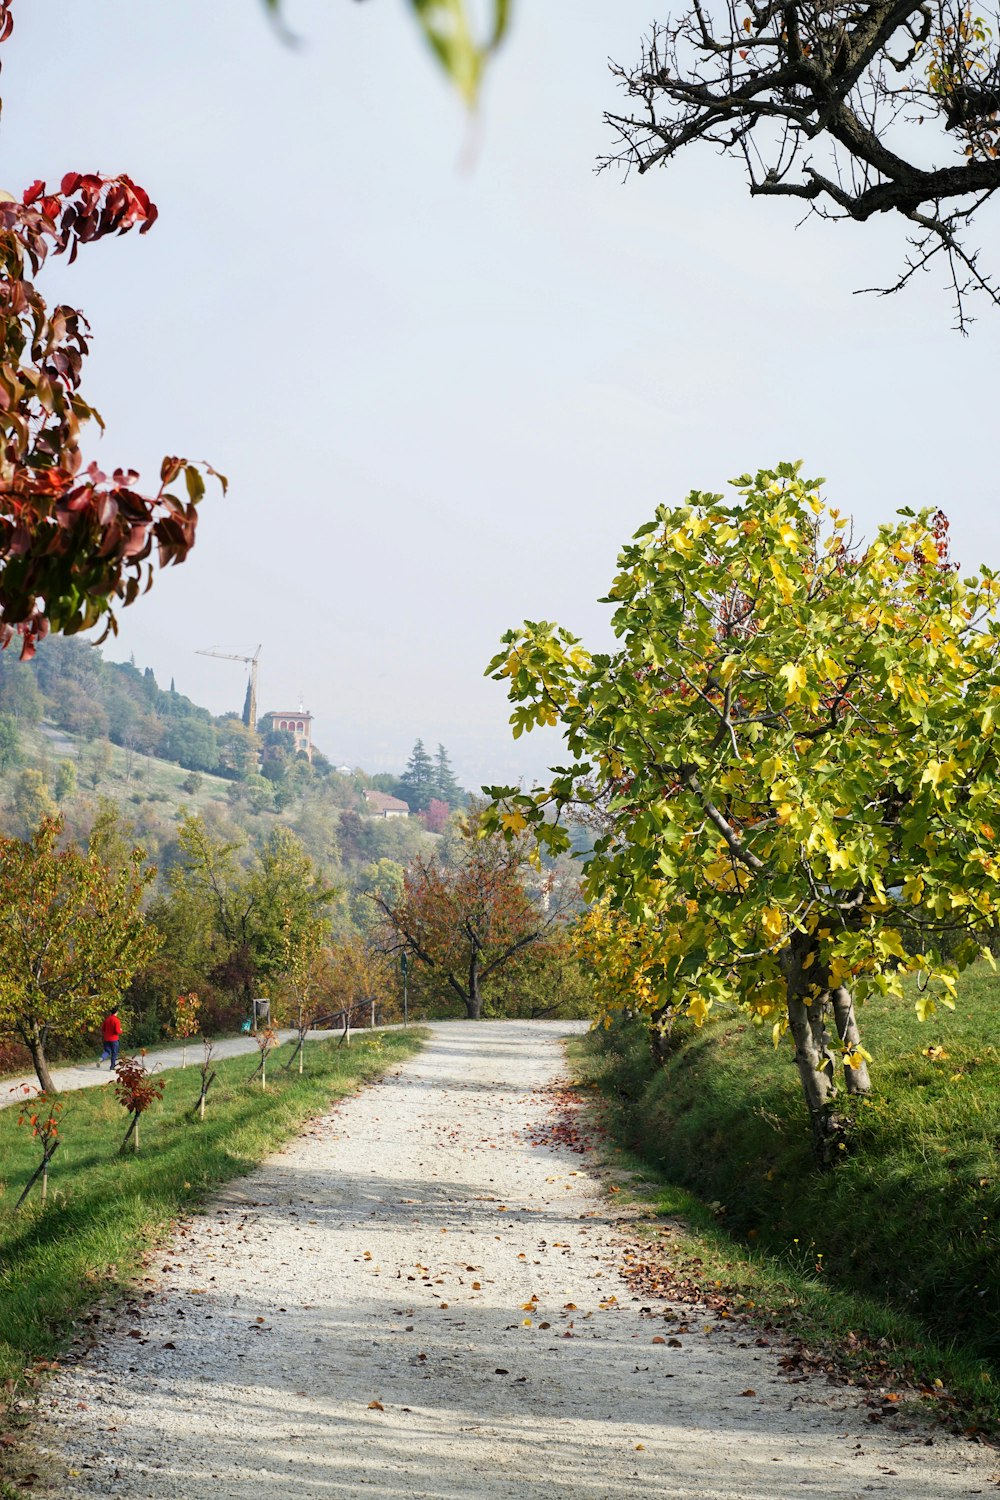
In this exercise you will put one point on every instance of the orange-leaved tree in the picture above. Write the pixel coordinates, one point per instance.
(466, 923)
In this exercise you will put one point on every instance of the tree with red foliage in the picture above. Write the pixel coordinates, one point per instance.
(136, 1089)
(435, 815)
(73, 543)
(466, 924)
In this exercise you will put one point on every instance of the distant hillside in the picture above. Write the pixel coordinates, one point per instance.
(78, 732)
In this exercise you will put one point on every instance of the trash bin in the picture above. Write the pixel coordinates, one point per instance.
(262, 1010)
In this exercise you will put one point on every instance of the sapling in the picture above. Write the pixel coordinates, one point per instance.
(185, 1021)
(266, 1040)
(41, 1117)
(136, 1089)
(207, 1074)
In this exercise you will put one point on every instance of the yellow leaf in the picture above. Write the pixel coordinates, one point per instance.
(937, 771)
(698, 1010)
(840, 972)
(772, 919)
(795, 678)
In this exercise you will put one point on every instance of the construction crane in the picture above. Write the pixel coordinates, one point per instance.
(250, 710)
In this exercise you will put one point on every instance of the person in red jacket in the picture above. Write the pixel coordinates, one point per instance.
(111, 1031)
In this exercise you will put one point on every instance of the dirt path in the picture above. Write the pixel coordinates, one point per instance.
(350, 1321)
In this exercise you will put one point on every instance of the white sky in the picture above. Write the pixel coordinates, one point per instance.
(448, 369)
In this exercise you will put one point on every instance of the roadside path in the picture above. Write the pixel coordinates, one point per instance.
(88, 1075)
(413, 1300)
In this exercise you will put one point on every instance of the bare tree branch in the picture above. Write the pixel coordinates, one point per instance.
(835, 104)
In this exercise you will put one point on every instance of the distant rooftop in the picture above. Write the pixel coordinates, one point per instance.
(381, 802)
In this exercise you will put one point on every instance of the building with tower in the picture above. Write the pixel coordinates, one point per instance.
(297, 723)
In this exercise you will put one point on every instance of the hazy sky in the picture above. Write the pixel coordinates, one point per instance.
(447, 368)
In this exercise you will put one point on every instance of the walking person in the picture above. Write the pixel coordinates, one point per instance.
(111, 1031)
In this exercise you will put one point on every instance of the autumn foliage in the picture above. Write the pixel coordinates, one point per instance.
(136, 1088)
(74, 542)
(72, 935)
(464, 924)
(41, 1117)
(792, 754)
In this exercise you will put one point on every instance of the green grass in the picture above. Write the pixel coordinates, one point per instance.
(105, 1211)
(901, 1240)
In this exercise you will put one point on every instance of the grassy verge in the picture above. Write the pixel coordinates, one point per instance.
(105, 1211)
(892, 1258)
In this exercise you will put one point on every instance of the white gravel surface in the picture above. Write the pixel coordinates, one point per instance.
(385, 1257)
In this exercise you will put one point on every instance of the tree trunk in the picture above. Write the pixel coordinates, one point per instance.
(856, 1080)
(807, 1017)
(473, 999)
(814, 1061)
(661, 1024)
(35, 1042)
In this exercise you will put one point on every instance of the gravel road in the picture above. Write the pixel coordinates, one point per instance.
(350, 1321)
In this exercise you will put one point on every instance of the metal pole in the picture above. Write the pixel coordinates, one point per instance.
(404, 966)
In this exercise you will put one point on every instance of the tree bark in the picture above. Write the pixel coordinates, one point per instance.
(807, 1016)
(35, 1042)
(474, 999)
(856, 1080)
(659, 1034)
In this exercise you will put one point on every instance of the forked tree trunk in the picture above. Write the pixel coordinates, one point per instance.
(856, 1080)
(814, 1060)
(807, 1021)
(808, 1018)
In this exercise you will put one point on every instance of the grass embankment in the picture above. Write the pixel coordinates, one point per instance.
(901, 1241)
(105, 1210)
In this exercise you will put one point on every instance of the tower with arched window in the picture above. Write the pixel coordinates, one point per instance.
(297, 722)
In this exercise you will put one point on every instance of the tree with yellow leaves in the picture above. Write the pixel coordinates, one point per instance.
(793, 748)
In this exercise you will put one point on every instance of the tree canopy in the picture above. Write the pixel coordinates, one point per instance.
(468, 922)
(72, 935)
(792, 755)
